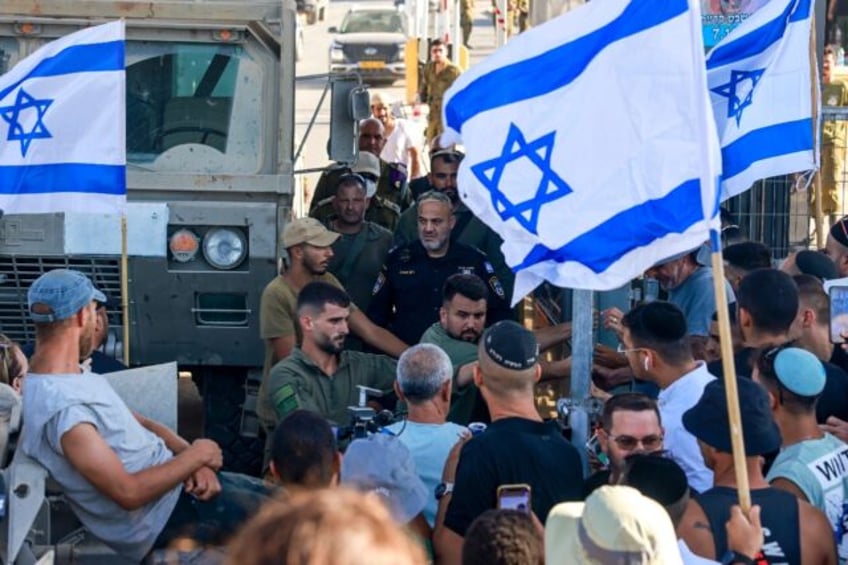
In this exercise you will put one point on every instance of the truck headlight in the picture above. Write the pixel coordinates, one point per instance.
(183, 245)
(336, 53)
(224, 248)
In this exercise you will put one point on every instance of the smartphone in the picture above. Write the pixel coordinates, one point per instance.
(514, 497)
(838, 313)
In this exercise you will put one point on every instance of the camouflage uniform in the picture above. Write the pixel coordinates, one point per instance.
(432, 89)
(523, 9)
(391, 199)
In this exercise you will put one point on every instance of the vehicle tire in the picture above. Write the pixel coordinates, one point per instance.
(223, 398)
(311, 17)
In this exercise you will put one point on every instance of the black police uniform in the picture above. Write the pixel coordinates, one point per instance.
(408, 292)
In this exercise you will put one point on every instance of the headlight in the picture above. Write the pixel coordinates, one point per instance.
(224, 248)
(336, 53)
(183, 245)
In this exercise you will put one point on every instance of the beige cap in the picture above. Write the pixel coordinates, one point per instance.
(616, 524)
(310, 231)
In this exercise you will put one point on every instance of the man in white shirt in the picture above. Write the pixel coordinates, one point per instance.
(655, 340)
(402, 143)
(424, 375)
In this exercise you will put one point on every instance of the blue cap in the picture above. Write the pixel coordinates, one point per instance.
(59, 294)
(799, 371)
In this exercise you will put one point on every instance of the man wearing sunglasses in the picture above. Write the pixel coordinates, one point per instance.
(630, 424)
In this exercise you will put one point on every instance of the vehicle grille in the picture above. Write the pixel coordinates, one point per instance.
(356, 53)
(19, 272)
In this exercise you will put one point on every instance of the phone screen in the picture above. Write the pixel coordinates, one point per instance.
(514, 497)
(838, 313)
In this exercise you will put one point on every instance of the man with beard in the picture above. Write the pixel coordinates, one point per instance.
(469, 230)
(689, 284)
(320, 375)
(407, 294)
(461, 321)
(132, 482)
(308, 244)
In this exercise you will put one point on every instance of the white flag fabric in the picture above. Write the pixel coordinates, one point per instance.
(590, 143)
(760, 84)
(62, 124)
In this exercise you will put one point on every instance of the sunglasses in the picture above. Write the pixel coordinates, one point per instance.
(629, 443)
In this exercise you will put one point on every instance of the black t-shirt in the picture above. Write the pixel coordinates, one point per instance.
(514, 451)
(742, 360)
(839, 357)
(596, 481)
(834, 398)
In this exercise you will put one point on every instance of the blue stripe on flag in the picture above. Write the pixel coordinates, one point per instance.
(63, 177)
(758, 40)
(641, 225)
(557, 67)
(802, 12)
(764, 143)
(87, 58)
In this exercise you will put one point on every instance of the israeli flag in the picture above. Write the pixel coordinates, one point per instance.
(760, 84)
(590, 143)
(62, 124)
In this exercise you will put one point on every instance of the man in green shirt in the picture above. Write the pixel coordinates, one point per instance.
(320, 375)
(461, 321)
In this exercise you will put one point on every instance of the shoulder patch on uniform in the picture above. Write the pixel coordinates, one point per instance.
(285, 400)
(496, 287)
(378, 284)
(488, 266)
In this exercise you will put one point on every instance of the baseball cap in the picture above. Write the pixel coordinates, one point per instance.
(799, 371)
(616, 524)
(59, 294)
(817, 264)
(511, 345)
(708, 420)
(308, 230)
(382, 464)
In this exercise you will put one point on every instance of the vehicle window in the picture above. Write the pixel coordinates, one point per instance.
(193, 108)
(8, 54)
(373, 22)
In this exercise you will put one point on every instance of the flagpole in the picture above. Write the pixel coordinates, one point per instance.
(125, 290)
(817, 183)
(729, 365)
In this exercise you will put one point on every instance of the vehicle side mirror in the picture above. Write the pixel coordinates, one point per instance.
(332, 29)
(346, 107)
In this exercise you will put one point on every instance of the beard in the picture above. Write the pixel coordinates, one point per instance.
(471, 336)
(330, 345)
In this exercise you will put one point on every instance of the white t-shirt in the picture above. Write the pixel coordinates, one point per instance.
(682, 446)
(398, 145)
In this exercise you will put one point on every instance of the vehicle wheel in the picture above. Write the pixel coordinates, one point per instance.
(311, 18)
(223, 398)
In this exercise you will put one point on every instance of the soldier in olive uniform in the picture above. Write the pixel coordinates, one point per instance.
(437, 77)
(523, 15)
(833, 143)
(390, 195)
(465, 20)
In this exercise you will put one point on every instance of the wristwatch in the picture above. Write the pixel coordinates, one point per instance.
(734, 557)
(442, 489)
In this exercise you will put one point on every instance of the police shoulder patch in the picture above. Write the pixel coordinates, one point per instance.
(495, 284)
(378, 284)
(488, 266)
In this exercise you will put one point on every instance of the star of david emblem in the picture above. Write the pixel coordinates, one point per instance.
(737, 98)
(20, 113)
(551, 186)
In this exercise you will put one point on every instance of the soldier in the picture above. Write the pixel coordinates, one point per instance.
(437, 77)
(523, 7)
(465, 20)
(408, 292)
(834, 141)
(392, 190)
(359, 253)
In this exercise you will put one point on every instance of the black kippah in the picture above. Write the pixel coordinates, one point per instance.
(511, 345)
(839, 231)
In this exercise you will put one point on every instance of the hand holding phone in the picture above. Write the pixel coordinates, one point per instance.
(514, 497)
(838, 313)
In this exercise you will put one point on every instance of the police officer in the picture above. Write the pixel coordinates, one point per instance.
(438, 75)
(391, 195)
(407, 294)
(469, 230)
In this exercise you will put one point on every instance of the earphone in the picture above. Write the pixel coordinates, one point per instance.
(646, 363)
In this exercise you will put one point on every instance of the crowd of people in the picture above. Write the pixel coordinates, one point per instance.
(407, 312)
